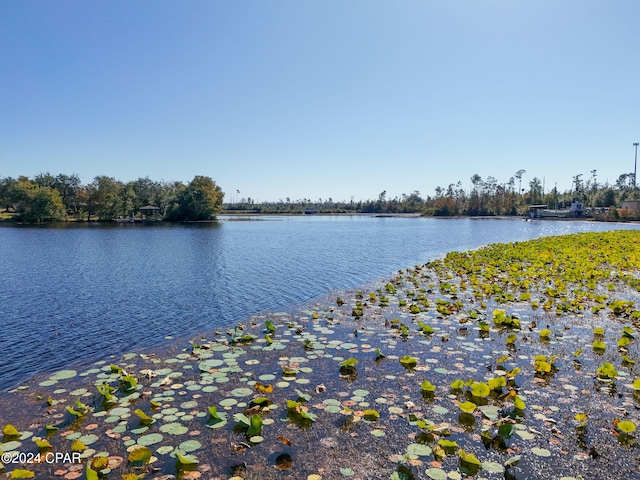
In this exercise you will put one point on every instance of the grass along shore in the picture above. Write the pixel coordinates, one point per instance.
(512, 361)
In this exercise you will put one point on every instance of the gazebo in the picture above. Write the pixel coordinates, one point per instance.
(146, 211)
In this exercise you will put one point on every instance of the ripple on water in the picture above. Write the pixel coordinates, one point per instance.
(79, 293)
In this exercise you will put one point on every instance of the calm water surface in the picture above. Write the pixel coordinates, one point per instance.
(79, 293)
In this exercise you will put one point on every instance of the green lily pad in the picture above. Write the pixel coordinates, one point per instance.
(490, 411)
(190, 446)
(513, 461)
(493, 467)
(89, 439)
(627, 426)
(541, 452)
(140, 455)
(174, 428)
(436, 474)
(63, 375)
(186, 459)
(10, 431)
(241, 392)
(419, 449)
(21, 473)
(11, 446)
(525, 435)
(150, 439)
(361, 393)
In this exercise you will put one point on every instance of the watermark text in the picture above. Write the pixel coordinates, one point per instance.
(26, 458)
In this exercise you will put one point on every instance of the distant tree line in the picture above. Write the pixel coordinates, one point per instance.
(63, 197)
(485, 197)
(49, 197)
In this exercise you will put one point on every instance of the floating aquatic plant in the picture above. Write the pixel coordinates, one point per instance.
(371, 415)
(300, 414)
(545, 333)
(497, 383)
(269, 327)
(543, 365)
(216, 420)
(626, 426)
(480, 389)
(607, 370)
(10, 431)
(518, 403)
(186, 460)
(501, 319)
(106, 391)
(426, 329)
(348, 366)
(408, 361)
(79, 410)
(144, 418)
(467, 407)
(581, 419)
(624, 342)
(128, 383)
(456, 384)
(245, 379)
(22, 473)
(621, 307)
(427, 386)
(140, 455)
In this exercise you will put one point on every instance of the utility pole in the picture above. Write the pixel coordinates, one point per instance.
(635, 165)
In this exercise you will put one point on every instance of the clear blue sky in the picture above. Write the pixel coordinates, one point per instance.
(309, 99)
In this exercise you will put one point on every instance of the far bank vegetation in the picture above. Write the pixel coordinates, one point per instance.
(486, 197)
(48, 197)
(63, 197)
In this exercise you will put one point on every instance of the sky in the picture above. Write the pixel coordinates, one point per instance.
(338, 99)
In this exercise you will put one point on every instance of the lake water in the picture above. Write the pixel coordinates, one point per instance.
(78, 293)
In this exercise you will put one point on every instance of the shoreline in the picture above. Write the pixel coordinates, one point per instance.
(233, 216)
(302, 359)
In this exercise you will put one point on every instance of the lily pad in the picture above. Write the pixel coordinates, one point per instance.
(190, 446)
(150, 439)
(436, 474)
(63, 375)
(541, 452)
(493, 467)
(419, 449)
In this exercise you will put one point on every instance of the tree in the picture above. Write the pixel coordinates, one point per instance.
(535, 192)
(200, 200)
(625, 181)
(606, 198)
(518, 175)
(108, 201)
(147, 192)
(6, 186)
(35, 203)
(476, 201)
(579, 191)
(67, 185)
